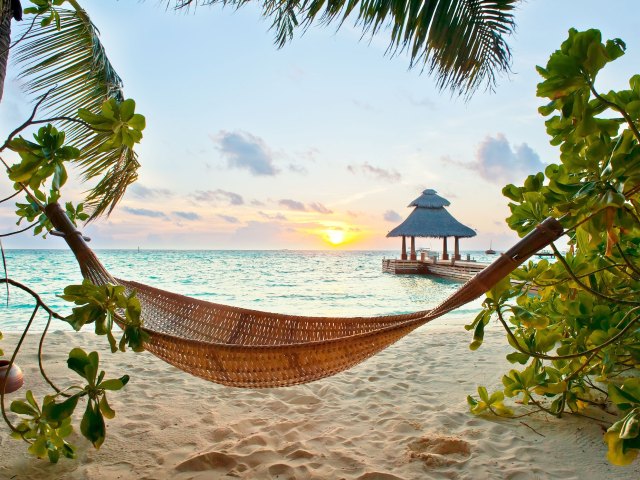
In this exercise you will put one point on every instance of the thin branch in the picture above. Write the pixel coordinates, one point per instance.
(28, 121)
(23, 36)
(35, 296)
(627, 261)
(592, 385)
(6, 374)
(40, 365)
(632, 191)
(28, 227)
(594, 350)
(589, 417)
(544, 409)
(4, 268)
(564, 280)
(582, 367)
(10, 196)
(617, 108)
(595, 293)
(532, 429)
(23, 187)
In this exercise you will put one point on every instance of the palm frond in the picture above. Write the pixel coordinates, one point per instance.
(461, 42)
(72, 61)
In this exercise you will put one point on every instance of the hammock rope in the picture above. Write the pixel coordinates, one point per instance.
(249, 348)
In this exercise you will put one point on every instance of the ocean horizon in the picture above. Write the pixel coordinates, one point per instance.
(298, 282)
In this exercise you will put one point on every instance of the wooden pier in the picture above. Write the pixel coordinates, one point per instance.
(460, 270)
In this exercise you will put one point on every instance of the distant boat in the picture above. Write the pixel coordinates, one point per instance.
(545, 253)
(491, 251)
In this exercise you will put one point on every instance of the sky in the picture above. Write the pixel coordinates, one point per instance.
(321, 144)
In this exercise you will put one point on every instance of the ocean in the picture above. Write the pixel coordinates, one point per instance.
(315, 283)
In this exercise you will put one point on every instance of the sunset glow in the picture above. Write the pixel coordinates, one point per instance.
(335, 237)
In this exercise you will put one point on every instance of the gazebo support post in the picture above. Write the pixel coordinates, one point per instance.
(445, 255)
(413, 248)
(403, 255)
(456, 251)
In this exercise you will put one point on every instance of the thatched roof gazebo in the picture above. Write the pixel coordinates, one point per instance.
(430, 219)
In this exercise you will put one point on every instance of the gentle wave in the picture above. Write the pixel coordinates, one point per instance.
(318, 283)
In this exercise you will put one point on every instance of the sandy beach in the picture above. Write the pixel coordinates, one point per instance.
(400, 415)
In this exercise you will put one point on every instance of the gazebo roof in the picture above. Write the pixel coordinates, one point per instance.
(431, 222)
(429, 199)
(430, 219)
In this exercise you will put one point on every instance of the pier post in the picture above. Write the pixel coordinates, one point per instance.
(456, 251)
(413, 248)
(403, 256)
(445, 255)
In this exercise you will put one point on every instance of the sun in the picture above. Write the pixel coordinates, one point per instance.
(334, 237)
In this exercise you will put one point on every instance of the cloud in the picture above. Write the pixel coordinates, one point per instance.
(318, 207)
(498, 162)
(187, 215)
(140, 191)
(245, 151)
(218, 196)
(310, 154)
(367, 107)
(421, 102)
(375, 172)
(392, 216)
(143, 212)
(228, 218)
(296, 168)
(293, 205)
(265, 234)
(277, 216)
(257, 203)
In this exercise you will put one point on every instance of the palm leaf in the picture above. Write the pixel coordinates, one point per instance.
(72, 61)
(461, 42)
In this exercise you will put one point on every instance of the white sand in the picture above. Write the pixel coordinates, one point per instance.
(400, 415)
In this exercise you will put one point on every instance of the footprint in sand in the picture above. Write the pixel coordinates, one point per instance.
(439, 451)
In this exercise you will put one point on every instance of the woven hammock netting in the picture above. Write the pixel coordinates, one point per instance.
(249, 348)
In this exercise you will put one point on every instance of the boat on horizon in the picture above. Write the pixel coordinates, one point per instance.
(490, 251)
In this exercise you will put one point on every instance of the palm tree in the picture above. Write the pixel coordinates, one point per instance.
(8, 10)
(61, 55)
(461, 42)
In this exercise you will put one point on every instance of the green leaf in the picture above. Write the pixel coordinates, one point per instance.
(478, 336)
(92, 424)
(77, 361)
(115, 383)
(626, 394)
(106, 409)
(617, 454)
(517, 357)
(39, 447)
(127, 109)
(81, 316)
(32, 401)
(59, 411)
(22, 408)
(630, 427)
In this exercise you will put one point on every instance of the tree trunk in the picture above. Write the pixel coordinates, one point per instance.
(6, 14)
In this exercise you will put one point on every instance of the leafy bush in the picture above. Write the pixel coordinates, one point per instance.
(574, 323)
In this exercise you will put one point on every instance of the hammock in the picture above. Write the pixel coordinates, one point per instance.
(249, 348)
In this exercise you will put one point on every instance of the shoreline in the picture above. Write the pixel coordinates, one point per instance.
(400, 415)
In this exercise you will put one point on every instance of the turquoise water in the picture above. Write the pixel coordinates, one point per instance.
(319, 283)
